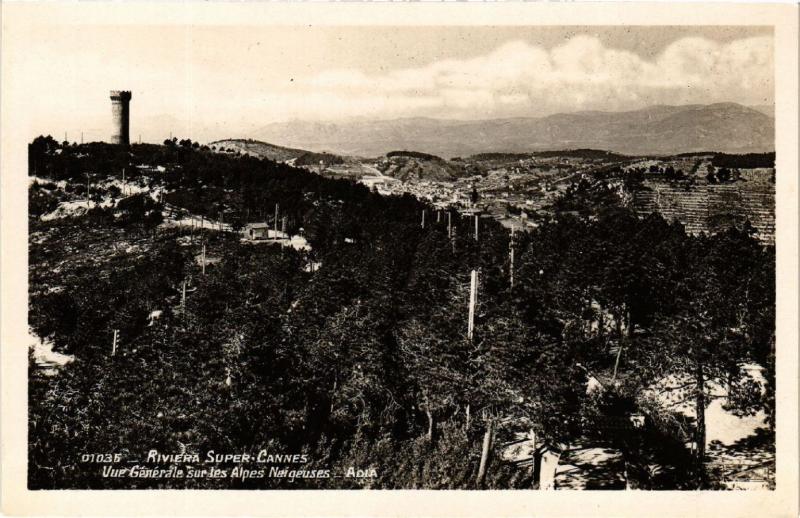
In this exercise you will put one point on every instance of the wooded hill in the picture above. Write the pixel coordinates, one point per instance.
(257, 148)
(365, 361)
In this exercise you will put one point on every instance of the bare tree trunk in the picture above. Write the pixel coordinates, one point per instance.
(431, 419)
(600, 322)
(537, 461)
(730, 388)
(537, 468)
(616, 362)
(700, 409)
(630, 323)
(486, 451)
(431, 424)
(333, 392)
(466, 411)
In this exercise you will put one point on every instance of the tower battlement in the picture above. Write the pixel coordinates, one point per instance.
(120, 95)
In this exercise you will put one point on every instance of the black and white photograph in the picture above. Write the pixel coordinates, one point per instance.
(401, 257)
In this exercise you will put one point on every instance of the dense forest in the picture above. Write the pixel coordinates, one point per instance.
(365, 360)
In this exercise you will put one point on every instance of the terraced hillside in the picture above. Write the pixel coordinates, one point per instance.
(709, 207)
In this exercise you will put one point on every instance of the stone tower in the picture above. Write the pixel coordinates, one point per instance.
(120, 114)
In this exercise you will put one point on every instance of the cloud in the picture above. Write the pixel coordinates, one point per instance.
(519, 78)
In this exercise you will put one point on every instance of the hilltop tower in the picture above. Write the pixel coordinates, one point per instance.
(120, 115)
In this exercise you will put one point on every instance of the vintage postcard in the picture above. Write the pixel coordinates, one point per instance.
(401, 259)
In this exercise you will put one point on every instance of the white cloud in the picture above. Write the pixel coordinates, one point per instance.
(523, 79)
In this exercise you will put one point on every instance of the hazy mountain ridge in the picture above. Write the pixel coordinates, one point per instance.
(724, 127)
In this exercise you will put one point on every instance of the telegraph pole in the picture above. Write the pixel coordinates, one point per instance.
(511, 257)
(276, 221)
(476, 227)
(203, 260)
(183, 298)
(114, 343)
(449, 225)
(88, 186)
(473, 299)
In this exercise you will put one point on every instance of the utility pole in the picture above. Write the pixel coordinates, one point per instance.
(449, 225)
(203, 260)
(423, 218)
(81, 137)
(88, 187)
(183, 298)
(476, 227)
(283, 227)
(511, 257)
(114, 343)
(276, 221)
(473, 299)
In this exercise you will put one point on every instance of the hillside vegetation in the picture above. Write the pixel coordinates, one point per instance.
(412, 165)
(258, 149)
(364, 359)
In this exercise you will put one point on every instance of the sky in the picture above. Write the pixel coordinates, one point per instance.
(210, 82)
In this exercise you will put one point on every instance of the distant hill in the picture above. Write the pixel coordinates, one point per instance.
(313, 159)
(497, 157)
(258, 149)
(722, 127)
(766, 109)
(413, 165)
(414, 154)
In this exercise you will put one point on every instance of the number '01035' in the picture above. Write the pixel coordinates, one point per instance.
(101, 457)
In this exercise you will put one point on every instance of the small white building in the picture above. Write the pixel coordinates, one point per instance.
(256, 231)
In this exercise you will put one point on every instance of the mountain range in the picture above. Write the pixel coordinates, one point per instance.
(664, 130)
